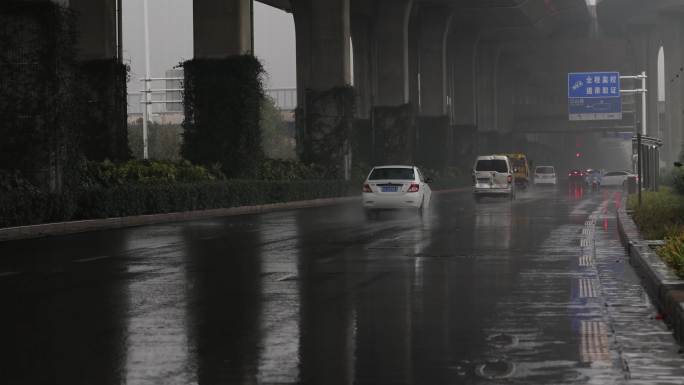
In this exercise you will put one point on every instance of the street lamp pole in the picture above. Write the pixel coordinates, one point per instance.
(146, 88)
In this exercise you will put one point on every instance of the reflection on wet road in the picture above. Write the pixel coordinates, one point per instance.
(534, 291)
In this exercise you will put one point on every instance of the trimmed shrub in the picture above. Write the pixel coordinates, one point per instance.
(672, 253)
(659, 212)
(128, 200)
(677, 179)
(107, 174)
(222, 100)
(284, 170)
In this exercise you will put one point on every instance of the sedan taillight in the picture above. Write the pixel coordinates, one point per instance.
(366, 188)
(510, 179)
(414, 187)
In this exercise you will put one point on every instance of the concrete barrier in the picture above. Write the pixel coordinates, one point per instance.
(665, 289)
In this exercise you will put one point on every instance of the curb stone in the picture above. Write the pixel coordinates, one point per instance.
(661, 283)
(74, 227)
(81, 226)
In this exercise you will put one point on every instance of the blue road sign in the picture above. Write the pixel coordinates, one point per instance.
(594, 96)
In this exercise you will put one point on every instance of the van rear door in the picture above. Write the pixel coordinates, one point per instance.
(492, 173)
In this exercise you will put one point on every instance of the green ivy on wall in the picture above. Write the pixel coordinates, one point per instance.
(103, 127)
(37, 77)
(326, 137)
(222, 113)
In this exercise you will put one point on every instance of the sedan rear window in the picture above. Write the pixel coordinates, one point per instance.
(392, 173)
(498, 165)
(616, 173)
(544, 170)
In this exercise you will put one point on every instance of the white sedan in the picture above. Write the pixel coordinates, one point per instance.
(615, 178)
(545, 175)
(396, 187)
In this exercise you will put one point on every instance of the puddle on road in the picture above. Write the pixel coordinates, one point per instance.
(495, 369)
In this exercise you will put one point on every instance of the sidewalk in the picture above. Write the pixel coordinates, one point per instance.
(648, 351)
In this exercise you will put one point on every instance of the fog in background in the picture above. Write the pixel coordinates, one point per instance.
(171, 40)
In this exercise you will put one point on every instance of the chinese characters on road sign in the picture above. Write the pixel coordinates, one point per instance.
(594, 96)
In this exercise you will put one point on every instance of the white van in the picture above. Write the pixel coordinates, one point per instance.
(493, 176)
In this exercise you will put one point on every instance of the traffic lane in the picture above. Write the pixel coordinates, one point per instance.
(318, 295)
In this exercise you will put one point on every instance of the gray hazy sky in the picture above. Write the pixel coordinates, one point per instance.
(170, 23)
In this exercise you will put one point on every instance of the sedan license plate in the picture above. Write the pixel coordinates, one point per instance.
(390, 188)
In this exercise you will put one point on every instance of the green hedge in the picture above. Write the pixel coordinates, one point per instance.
(33, 207)
(659, 214)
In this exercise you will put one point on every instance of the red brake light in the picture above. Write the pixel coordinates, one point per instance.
(366, 188)
(414, 187)
(510, 179)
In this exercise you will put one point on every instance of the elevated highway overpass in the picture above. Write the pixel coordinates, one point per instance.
(443, 76)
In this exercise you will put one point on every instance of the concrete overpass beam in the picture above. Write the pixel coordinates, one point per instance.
(222, 28)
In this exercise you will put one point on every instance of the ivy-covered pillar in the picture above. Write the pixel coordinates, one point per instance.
(37, 106)
(104, 133)
(434, 127)
(326, 101)
(223, 90)
(393, 118)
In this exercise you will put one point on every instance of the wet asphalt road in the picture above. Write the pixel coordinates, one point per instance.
(498, 292)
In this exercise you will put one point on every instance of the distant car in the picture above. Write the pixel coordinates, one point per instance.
(616, 178)
(395, 187)
(576, 177)
(493, 176)
(545, 175)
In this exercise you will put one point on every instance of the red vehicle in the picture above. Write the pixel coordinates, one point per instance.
(576, 177)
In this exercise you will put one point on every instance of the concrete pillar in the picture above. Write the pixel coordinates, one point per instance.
(325, 111)
(391, 36)
(487, 71)
(97, 22)
(361, 30)
(103, 77)
(434, 29)
(433, 125)
(323, 32)
(462, 63)
(673, 41)
(222, 28)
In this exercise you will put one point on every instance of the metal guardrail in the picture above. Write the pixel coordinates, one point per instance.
(285, 98)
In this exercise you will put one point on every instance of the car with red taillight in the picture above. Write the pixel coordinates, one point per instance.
(576, 176)
(396, 187)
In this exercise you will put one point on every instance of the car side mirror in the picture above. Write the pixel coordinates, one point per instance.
(428, 180)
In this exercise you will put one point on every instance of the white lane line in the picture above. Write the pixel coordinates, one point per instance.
(587, 288)
(8, 273)
(594, 341)
(84, 260)
(586, 260)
